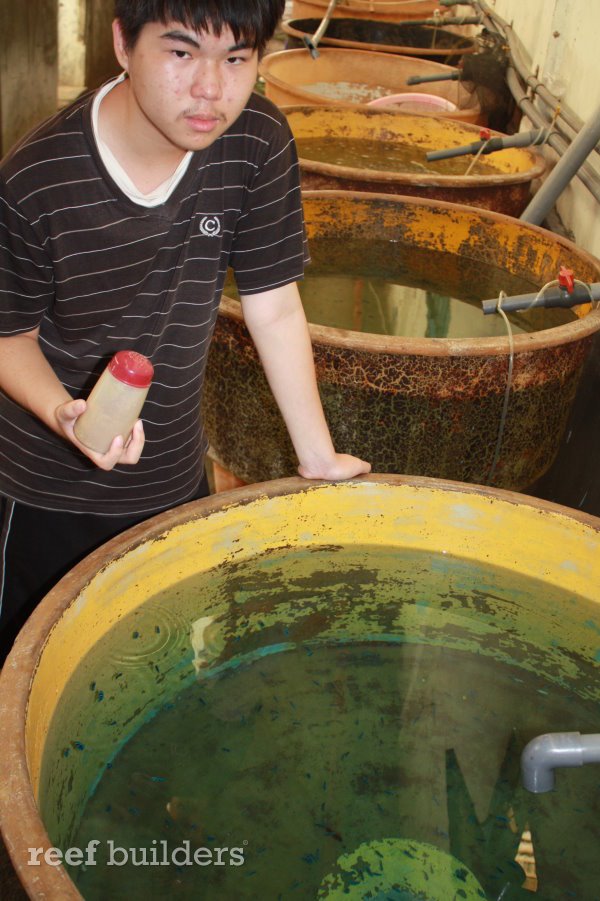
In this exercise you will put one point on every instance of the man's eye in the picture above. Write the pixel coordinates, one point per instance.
(181, 54)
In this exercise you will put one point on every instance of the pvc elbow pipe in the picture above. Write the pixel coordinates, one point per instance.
(490, 145)
(555, 749)
(313, 42)
(424, 79)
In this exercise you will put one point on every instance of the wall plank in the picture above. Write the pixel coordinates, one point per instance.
(100, 62)
(28, 66)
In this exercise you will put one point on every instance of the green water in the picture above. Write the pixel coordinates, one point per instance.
(390, 288)
(387, 307)
(386, 156)
(301, 756)
(333, 697)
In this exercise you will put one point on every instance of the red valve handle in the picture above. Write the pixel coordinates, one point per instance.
(566, 279)
(485, 134)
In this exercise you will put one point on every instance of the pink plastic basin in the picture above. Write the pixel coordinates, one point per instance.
(415, 102)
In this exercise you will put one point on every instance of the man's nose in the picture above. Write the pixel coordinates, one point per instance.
(206, 83)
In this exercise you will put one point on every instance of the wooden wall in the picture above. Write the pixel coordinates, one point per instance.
(28, 66)
(100, 62)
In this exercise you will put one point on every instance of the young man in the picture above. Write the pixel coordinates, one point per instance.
(120, 217)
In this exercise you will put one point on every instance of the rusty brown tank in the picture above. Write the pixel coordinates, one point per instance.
(441, 45)
(356, 77)
(506, 188)
(389, 10)
(422, 406)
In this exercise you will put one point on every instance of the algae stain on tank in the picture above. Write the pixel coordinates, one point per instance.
(349, 696)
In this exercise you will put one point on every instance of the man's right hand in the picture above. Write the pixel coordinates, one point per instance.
(66, 416)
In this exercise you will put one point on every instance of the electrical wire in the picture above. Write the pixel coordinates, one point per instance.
(509, 380)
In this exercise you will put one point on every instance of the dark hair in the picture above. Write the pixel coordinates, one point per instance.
(253, 21)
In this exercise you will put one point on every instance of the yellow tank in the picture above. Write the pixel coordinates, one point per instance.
(200, 568)
(439, 44)
(505, 187)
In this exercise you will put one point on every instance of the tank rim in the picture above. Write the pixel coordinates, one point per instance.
(537, 163)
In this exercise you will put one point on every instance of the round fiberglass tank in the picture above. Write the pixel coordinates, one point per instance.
(297, 687)
(426, 42)
(352, 77)
(412, 376)
(391, 10)
(375, 150)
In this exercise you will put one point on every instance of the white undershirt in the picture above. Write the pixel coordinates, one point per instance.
(116, 171)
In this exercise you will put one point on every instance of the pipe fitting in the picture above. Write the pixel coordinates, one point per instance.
(544, 753)
(313, 42)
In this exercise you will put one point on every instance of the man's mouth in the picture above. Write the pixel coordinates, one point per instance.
(202, 122)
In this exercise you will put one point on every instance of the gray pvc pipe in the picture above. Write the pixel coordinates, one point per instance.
(537, 87)
(555, 749)
(313, 42)
(586, 173)
(552, 297)
(518, 70)
(564, 171)
(491, 145)
(441, 23)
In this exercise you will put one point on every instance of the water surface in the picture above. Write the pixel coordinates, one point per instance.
(293, 707)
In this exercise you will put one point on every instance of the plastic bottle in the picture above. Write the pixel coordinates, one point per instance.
(115, 401)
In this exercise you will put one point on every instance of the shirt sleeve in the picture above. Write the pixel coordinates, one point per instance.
(270, 247)
(26, 275)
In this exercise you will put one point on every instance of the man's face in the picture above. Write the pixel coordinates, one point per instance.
(185, 87)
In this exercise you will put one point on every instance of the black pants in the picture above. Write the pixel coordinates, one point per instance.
(37, 548)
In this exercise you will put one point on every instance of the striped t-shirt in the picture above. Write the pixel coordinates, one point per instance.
(99, 273)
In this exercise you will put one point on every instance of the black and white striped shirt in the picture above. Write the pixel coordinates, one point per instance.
(99, 273)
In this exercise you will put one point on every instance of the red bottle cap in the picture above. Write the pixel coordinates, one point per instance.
(132, 368)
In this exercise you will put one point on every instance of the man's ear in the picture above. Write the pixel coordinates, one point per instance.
(121, 51)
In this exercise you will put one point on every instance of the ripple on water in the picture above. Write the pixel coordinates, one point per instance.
(157, 631)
